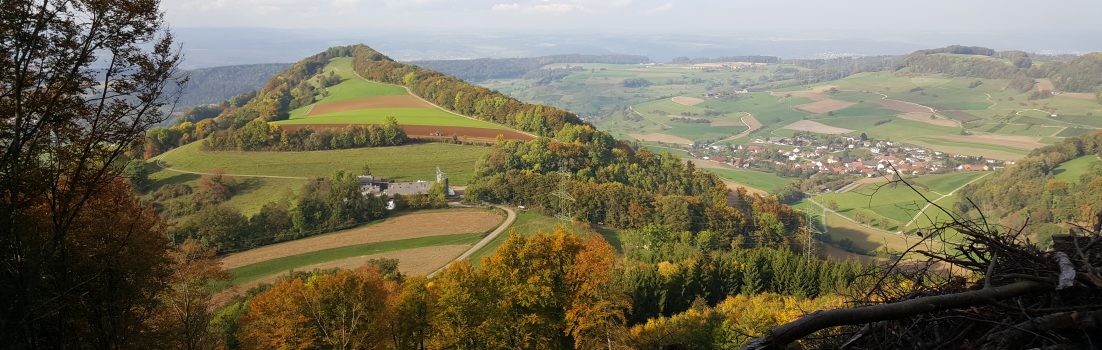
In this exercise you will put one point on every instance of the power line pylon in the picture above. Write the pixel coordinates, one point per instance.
(563, 198)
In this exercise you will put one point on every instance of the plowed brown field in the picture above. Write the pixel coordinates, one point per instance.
(905, 107)
(824, 106)
(416, 261)
(924, 117)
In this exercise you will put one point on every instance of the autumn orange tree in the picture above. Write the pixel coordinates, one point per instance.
(343, 310)
(547, 291)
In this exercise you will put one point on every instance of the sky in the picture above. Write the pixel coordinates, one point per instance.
(223, 32)
(801, 18)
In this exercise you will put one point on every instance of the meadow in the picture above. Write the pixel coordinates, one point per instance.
(894, 205)
(402, 163)
(404, 116)
(1070, 171)
(757, 179)
(250, 194)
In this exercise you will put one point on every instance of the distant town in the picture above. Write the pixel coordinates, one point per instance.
(805, 154)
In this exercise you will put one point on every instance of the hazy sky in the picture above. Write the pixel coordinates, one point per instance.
(803, 18)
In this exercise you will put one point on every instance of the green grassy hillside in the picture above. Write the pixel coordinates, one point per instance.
(402, 163)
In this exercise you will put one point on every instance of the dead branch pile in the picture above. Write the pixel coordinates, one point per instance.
(994, 289)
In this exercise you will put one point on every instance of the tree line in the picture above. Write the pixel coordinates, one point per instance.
(259, 135)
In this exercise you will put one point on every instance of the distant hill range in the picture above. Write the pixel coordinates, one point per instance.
(482, 69)
(1069, 73)
(217, 84)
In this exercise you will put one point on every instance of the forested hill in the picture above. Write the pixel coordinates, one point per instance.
(1079, 74)
(1055, 185)
(482, 69)
(1068, 73)
(293, 88)
(217, 84)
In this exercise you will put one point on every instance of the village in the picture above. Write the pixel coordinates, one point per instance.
(806, 154)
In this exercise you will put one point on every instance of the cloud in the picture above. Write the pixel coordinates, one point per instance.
(411, 3)
(554, 8)
(346, 4)
(544, 7)
(513, 7)
(662, 8)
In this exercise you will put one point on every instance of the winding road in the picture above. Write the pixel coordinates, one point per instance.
(509, 219)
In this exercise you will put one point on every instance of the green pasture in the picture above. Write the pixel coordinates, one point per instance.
(251, 193)
(405, 116)
(757, 179)
(401, 163)
(1072, 170)
(945, 183)
(702, 131)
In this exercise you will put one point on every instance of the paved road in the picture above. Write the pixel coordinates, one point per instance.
(512, 216)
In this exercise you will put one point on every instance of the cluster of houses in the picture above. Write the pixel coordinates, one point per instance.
(842, 155)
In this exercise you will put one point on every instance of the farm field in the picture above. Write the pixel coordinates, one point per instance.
(417, 224)
(421, 241)
(249, 273)
(575, 92)
(857, 238)
(356, 101)
(458, 161)
(884, 105)
(890, 206)
(756, 179)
